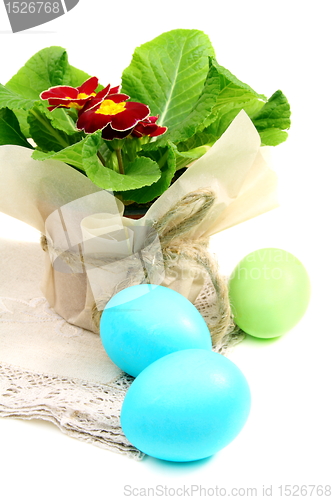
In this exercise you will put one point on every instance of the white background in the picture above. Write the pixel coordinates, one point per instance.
(288, 438)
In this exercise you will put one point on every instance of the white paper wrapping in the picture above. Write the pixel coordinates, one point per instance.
(77, 216)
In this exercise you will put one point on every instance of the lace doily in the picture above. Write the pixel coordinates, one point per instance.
(89, 412)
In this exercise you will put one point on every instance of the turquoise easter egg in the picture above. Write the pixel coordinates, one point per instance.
(186, 406)
(143, 323)
(269, 292)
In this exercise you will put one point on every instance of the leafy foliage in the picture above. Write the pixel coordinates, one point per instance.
(45, 133)
(140, 172)
(273, 119)
(10, 132)
(165, 158)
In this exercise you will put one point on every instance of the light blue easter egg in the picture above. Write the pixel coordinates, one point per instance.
(186, 406)
(143, 323)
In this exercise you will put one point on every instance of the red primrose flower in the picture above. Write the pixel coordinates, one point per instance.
(108, 110)
(113, 109)
(147, 127)
(65, 96)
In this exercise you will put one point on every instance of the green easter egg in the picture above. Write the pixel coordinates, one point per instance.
(269, 292)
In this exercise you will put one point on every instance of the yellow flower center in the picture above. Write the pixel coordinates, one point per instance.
(82, 95)
(74, 105)
(108, 107)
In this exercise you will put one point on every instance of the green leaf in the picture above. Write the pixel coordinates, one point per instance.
(201, 110)
(230, 81)
(201, 139)
(272, 136)
(71, 155)
(13, 101)
(62, 120)
(168, 74)
(184, 158)
(141, 172)
(44, 133)
(19, 104)
(24, 125)
(165, 157)
(233, 97)
(47, 68)
(273, 119)
(77, 76)
(10, 132)
(228, 111)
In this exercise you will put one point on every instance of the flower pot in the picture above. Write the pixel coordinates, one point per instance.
(135, 212)
(228, 185)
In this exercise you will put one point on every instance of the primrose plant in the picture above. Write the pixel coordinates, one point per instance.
(174, 103)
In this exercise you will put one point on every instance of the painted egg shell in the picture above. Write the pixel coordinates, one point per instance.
(142, 323)
(269, 292)
(186, 406)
